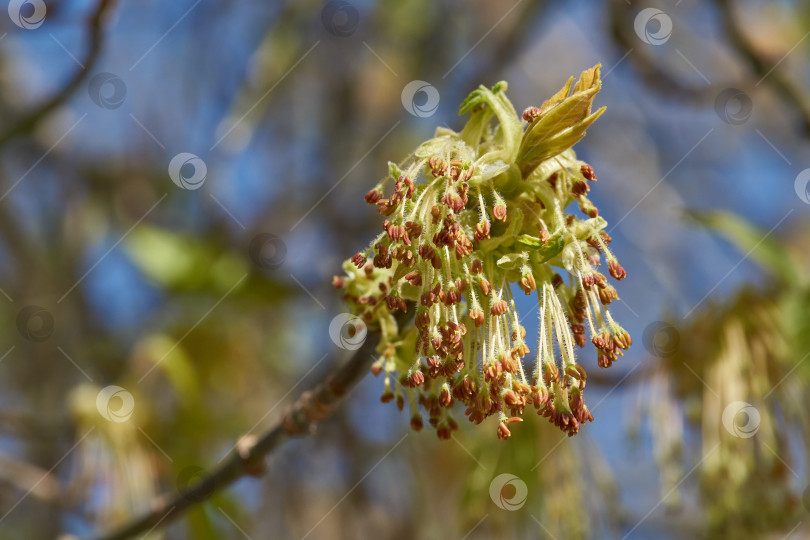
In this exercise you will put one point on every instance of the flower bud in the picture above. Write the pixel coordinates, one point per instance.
(499, 307)
(445, 399)
(587, 172)
(477, 315)
(527, 282)
(359, 260)
(616, 270)
(531, 114)
(373, 196)
(503, 431)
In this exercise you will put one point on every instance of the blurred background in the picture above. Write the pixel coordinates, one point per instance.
(180, 180)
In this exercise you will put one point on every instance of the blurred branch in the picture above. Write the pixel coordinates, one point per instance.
(300, 419)
(654, 76)
(29, 478)
(648, 68)
(767, 73)
(21, 245)
(96, 34)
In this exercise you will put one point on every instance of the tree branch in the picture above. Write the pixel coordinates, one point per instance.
(300, 419)
(781, 84)
(651, 73)
(658, 78)
(96, 32)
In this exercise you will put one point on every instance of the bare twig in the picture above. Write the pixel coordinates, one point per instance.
(96, 38)
(300, 419)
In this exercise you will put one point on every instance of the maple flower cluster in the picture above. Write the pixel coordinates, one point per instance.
(468, 215)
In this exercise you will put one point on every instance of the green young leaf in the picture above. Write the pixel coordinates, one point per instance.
(545, 251)
(510, 261)
(562, 122)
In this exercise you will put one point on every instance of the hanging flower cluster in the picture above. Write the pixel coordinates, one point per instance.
(467, 215)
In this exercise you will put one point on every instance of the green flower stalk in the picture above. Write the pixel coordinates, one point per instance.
(467, 215)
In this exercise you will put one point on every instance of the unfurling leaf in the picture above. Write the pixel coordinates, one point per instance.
(561, 122)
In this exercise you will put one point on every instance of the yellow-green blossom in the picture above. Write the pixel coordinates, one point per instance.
(466, 215)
